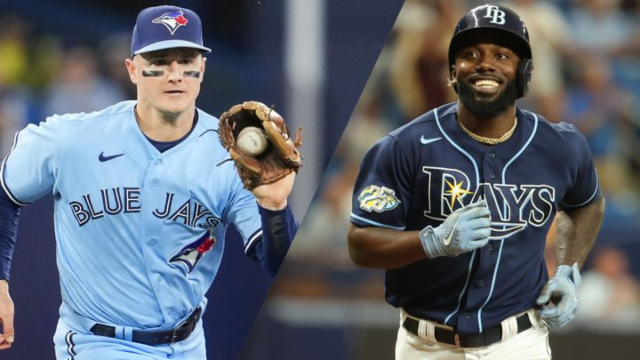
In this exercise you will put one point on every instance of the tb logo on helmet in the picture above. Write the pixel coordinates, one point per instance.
(495, 14)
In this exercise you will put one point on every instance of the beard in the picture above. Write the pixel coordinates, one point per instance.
(487, 108)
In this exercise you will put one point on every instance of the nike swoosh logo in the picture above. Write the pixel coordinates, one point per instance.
(103, 158)
(447, 240)
(428, 141)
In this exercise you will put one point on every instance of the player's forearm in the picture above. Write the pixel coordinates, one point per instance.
(9, 215)
(577, 231)
(278, 230)
(381, 248)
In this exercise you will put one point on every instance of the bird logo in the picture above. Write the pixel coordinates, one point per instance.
(192, 253)
(172, 20)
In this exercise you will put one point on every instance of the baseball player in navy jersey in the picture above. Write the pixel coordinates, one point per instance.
(141, 209)
(456, 205)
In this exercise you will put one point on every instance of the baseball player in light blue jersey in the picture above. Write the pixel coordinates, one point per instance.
(141, 210)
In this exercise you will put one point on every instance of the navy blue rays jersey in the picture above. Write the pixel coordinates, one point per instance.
(418, 174)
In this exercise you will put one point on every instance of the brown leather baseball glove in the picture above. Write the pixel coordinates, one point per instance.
(281, 156)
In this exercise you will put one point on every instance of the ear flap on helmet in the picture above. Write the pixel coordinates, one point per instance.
(523, 76)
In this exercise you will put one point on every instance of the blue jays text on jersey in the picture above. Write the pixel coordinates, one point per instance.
(420, 173)
(117, 200)
(140, 232)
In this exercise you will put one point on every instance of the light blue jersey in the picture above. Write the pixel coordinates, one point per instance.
(140, 234)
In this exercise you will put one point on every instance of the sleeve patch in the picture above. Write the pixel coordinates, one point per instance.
(377, 199)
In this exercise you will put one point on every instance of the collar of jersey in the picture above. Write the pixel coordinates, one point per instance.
(163, 146)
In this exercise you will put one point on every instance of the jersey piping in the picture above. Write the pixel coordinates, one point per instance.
(595, 192)
(375, 223)
(473, 256)
(504, 209)
(2, 180)
(253, 239)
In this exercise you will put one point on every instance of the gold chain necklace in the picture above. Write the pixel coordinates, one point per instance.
(488, 140)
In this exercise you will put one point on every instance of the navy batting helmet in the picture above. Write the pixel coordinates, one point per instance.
(509, 25)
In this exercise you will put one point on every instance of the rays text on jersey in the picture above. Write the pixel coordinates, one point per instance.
(513, 207)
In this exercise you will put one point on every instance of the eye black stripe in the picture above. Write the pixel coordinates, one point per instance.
(195, 74)
(152, 73)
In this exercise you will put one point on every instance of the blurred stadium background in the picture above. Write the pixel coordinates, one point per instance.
(310, 58)
(587, 59)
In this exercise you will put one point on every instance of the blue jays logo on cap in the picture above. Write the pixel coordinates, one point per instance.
(150, 32)
(172, 20)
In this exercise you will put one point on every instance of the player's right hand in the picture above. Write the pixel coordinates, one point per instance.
(6, 316)
(465, 230)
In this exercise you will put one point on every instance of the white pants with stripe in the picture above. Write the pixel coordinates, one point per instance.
(531, 344)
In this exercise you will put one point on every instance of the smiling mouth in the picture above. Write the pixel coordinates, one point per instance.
(486, 84)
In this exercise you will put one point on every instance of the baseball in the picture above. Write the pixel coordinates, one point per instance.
(252, 140)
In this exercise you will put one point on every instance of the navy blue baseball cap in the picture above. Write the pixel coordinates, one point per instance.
(166, 27)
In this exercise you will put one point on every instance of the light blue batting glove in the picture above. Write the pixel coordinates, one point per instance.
(558, 298)
(465, 230)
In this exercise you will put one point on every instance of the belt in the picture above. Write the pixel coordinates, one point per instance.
(450, 337)
(179, 333)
